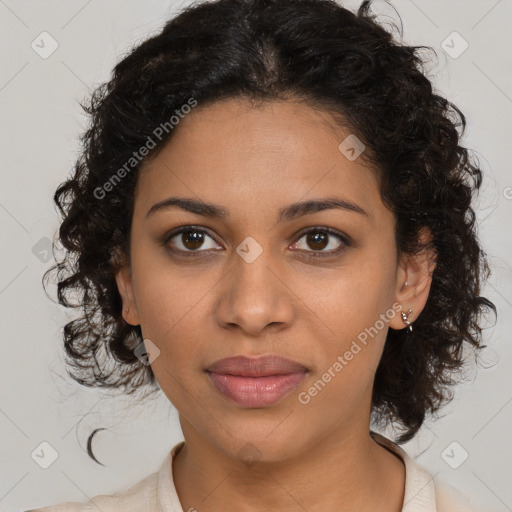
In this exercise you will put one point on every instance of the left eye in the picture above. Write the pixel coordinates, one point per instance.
(320, 238)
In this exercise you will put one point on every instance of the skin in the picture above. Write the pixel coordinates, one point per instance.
(254, 161)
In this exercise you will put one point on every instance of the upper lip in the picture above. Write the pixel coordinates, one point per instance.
(261, 366)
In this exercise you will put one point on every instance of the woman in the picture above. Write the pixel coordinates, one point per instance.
(271, 222)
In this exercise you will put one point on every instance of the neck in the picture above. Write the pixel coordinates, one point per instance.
(343, 473)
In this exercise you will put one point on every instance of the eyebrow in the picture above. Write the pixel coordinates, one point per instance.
(286, 214)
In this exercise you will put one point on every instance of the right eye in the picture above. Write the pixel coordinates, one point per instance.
(188, 240)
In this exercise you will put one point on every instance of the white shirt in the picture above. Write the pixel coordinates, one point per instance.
(157, 493)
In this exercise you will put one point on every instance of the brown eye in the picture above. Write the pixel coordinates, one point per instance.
(316, 240)
(190, 240)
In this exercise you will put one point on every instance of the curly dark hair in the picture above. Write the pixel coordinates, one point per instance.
(327, 57)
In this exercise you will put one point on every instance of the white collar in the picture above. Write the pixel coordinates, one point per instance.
(419, 493)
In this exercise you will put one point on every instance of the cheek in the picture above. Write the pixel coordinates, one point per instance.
(356, 309)
(354, 297)
(178, 367)
(166, 294)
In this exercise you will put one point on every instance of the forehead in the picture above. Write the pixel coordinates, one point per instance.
(278, 152)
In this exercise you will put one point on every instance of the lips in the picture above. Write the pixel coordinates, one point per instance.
(256, 382)
(262, 366)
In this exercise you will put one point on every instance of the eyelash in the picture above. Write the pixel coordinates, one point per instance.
(313, 254)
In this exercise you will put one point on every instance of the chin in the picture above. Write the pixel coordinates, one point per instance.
(258, 446)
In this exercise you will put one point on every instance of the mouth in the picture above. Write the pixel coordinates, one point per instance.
(256, 382)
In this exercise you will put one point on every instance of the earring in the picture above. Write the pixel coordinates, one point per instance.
(405, 320)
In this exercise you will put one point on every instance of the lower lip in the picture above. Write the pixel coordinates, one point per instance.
(256, 391)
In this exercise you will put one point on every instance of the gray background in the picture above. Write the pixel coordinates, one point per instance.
(41, 121)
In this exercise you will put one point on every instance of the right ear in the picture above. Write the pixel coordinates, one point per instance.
(125, 287)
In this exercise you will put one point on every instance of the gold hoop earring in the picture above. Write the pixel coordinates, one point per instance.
(405, 317)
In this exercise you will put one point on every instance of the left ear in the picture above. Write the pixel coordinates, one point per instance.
(415, 270)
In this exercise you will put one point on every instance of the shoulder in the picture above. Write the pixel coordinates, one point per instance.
(423, 492)
(450, 499)
(141, 497)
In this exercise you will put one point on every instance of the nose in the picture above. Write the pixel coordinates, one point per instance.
(255, 296)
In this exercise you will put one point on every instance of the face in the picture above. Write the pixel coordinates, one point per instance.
(304, 285)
